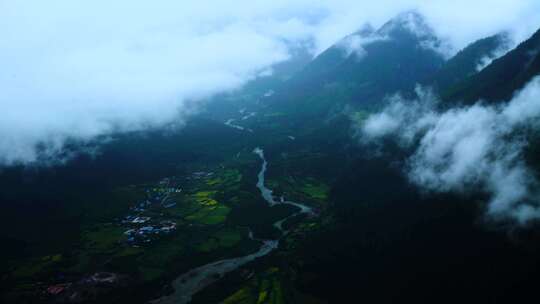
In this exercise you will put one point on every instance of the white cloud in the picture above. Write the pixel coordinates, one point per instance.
(405, 116)
(354, 44)
(81, 69)
(504, 47)
(470, 148)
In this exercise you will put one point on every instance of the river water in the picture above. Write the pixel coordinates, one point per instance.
(193, 281)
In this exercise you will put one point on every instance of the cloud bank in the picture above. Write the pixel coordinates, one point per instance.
(77, 70)
(469, 148)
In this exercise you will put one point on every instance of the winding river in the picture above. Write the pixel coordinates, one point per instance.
(193, 281)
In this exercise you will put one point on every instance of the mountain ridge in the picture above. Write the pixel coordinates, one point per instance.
(502, 78)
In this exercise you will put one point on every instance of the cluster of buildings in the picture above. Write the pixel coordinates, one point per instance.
(84, 289)
(144, 224)
(145, 234)
(131, 219)
(102, 278)
(201, 174)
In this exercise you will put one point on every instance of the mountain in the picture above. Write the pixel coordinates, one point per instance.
(468, 61)
(499, 81)
(224, 106)
(367, 65)
(332, 58)
(502, 77)
(395, 243)
(372, 236)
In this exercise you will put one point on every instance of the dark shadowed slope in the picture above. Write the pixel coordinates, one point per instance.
(468, 61)
(503, 77)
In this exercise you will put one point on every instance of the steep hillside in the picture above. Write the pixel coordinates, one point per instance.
(396, 243)
(502, 78)
(367, 65)
(468, 61)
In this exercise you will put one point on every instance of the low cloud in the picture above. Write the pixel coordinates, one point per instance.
(504, 47)
(74, 71)
(354, 44)
(468, 148)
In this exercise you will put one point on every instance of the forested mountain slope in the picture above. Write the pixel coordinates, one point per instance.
(503, 77)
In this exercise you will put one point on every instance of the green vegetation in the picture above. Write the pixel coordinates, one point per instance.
(129, 251)
(315, 190)
(103, 238)
(307, 190)
(229, 178)
(163, 253)
(242, 296)
(200, 214)
(264, 288)
(151, 273)
(275, 114)
(358, 117)
(184, 206)
(222, 239)
(211, 215)
(205, 198)
(36, 266)
(214, 167)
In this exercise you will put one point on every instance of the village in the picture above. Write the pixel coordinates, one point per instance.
(146, 221)
(158, 220)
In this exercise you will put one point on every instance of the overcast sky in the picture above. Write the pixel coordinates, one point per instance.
(79, 69)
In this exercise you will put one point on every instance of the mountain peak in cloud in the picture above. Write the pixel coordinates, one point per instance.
(66, 77)
(410, 22)
(365, 31)
(412, 27)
